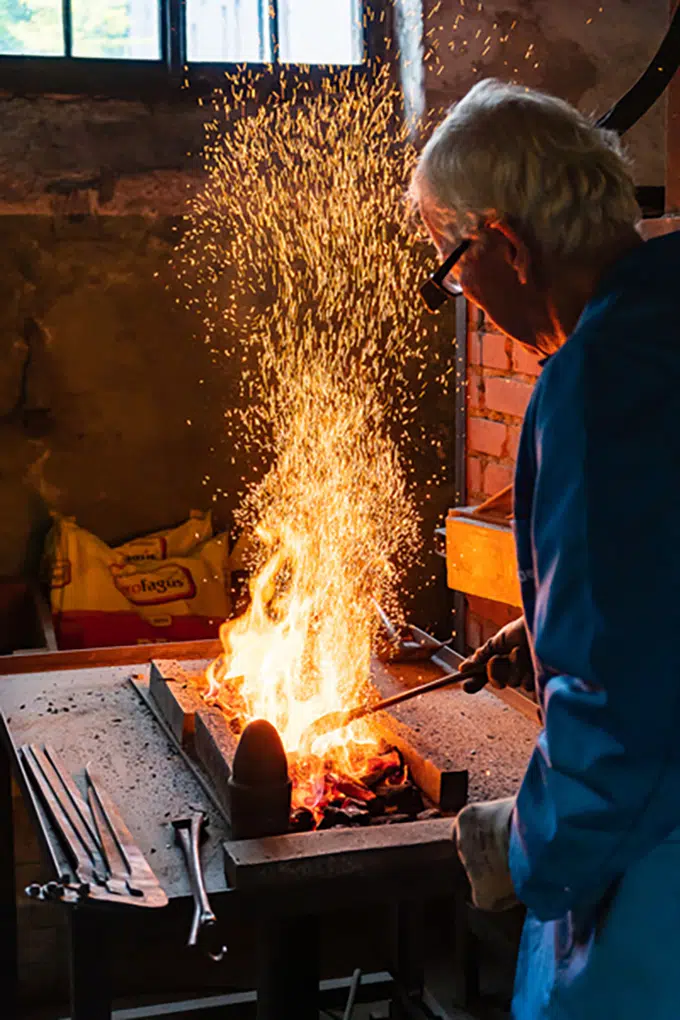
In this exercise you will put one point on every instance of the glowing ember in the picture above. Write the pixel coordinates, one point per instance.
(302, 254)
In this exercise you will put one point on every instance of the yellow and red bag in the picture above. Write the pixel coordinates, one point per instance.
(169, 586)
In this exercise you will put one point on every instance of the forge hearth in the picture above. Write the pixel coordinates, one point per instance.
(407, 779)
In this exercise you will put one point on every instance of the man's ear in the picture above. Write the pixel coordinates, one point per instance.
(519, 254)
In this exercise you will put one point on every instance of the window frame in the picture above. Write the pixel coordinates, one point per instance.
(172, 76)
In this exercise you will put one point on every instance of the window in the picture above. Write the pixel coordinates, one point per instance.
(173, 35)
(304, 31)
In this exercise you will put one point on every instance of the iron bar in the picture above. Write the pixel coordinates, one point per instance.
(274, 42)
(9, 958)
(650, 86)
(67, 27)
(460, 448)
(176, 36)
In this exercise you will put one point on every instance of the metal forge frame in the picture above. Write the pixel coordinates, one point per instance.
(282, 885)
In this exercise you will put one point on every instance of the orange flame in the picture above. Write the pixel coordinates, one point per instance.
(298, 255)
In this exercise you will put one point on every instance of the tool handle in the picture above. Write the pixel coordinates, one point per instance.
(415, 692)
(203, 927)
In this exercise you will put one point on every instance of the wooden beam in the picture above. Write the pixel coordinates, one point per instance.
(84, 658)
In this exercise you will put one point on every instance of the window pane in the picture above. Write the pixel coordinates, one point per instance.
(116, 28)
(31, 28)
(314, 32)
(233, 31)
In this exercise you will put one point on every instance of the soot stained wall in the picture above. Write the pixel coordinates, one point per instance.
(589, 52)
(100, 371)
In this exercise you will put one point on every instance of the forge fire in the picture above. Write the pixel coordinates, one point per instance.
(298, 251)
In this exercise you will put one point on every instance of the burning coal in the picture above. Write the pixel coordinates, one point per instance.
(300, 257)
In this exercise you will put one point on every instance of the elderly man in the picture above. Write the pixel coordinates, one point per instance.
(591, 844)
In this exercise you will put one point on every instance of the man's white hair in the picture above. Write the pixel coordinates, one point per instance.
(509, 153)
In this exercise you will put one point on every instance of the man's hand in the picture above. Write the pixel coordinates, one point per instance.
(482, 835)
(507, 659)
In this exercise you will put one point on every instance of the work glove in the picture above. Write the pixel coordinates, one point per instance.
(507, 659)
(482, 836)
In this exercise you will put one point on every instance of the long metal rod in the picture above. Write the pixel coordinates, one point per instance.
(351, 998)
(650, 86)
(77, 855)
(70, 803)
(460, 449)
(39, 817)
(75, 797)
(176, 36)
(460, 401)
(416, 692)
(274, 41)
(9, 958)
(67, 27)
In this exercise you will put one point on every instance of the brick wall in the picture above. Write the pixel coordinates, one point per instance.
(501, 378)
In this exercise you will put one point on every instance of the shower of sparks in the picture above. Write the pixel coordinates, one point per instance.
(500, 40)
(303, 264)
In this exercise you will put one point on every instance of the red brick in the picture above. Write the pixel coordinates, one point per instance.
(496, 477)
(489, 628)
(475, 348)
(514, 432)
(494, 351)
(524, 361)
(498, 612)
(488, 325)
(473, 631)
(475, 389)
(474, 476)
(509, 396)
(486, 436)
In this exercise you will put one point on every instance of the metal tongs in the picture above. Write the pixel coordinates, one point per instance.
(336, 720)
(402, 645)
(204, 932)
(105, 860)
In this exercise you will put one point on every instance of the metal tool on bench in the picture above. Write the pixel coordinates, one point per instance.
(336, 720)
(107, 865)
(204, 931)
(403, 645)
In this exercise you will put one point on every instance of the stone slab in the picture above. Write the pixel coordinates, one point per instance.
(214, 747)
(172, 686)
(334, 854)
(95, 717)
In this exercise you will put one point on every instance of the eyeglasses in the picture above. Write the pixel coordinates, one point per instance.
(434, 291)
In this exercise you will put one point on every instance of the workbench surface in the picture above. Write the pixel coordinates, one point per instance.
(95, 716)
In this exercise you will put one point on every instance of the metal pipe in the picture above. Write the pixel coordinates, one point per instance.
(67, 27)
(351, 998)
(460, 448)
(649, 87)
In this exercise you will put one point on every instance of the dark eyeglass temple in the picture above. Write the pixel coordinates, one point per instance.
(433, 291)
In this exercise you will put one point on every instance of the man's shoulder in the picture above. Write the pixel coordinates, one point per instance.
(631, 326)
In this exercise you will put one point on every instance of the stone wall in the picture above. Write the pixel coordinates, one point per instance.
(110, 409)
(586, 51)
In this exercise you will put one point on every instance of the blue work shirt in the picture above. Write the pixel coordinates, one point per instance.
(595, 841)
